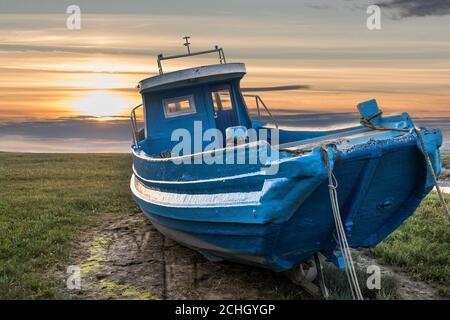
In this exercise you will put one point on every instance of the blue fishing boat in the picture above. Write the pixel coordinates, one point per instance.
(281, 211)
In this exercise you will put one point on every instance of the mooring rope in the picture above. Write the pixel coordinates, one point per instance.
(366, 122)
(340, 231)
(333, 184)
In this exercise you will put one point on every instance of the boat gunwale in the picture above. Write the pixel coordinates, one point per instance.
(284, 147)
(139, 153)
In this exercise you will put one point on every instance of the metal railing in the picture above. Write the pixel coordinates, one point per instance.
(134, 126)
(259, 101)
(161, 57)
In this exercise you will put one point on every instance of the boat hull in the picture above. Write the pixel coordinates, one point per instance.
(279, 221)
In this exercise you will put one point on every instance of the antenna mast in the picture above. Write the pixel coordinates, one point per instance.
(187, 43)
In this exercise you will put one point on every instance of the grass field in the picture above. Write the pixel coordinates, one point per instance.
(446, 165)
(45, 199)
(446, 160)
(421, 246)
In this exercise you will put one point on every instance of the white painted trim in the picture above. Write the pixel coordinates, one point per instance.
(182, 200)
(220, 179)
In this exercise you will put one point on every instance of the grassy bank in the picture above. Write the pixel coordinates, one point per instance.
(421, 246)
(446, 164)
(44, 200)
(446, 160)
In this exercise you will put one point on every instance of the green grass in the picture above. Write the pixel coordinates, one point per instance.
(338, 287)
(446, 159)
(421, 246)
(44, 201)
(446, 164)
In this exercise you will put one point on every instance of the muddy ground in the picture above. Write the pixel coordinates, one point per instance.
(408, 289)
(126, 258)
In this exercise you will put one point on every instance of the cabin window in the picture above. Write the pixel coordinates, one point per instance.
(179, 106)
(222, 99)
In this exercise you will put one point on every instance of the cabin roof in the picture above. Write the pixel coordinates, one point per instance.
(190, 76)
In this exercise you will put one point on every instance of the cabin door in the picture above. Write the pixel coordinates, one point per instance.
(224, 108)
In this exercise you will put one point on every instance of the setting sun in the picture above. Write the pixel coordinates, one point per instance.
(101, 104)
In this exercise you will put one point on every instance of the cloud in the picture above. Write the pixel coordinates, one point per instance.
(78, 127)
(276, 88)
(71, 71)
(156, 7)
(417, 8)
(48, 89)
(73, 49)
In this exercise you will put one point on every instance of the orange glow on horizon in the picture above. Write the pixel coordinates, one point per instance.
(101, 104)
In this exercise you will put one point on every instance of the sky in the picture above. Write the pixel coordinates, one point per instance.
(312, 61)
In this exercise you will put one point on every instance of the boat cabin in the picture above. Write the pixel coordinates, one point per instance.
(206, 97)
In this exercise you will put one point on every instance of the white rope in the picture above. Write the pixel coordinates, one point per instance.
(340, 231)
